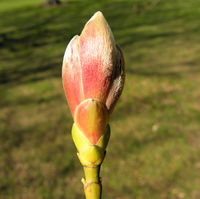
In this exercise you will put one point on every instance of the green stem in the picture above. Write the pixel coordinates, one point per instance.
(92, 182)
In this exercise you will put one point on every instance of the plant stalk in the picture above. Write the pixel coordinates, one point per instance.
(92, 182)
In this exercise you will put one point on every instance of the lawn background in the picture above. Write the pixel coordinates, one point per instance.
(154, 150)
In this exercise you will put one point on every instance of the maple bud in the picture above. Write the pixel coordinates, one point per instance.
(93, 76)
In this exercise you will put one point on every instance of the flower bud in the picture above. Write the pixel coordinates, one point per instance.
(93, 76)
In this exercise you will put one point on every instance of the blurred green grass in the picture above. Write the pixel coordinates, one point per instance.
(154, 151)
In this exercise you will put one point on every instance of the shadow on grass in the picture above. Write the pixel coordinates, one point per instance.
(25, 74)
